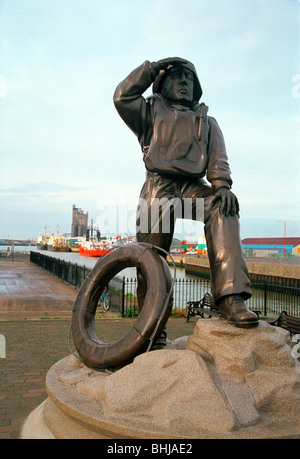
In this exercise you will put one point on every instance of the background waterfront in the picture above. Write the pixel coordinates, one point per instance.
(269, 294)
(88, 262)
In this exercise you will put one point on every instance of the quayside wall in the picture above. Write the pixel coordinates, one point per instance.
(258, 270)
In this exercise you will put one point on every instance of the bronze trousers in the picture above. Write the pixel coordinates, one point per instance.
(163, 199)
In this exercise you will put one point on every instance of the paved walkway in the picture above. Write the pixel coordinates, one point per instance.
(35, 319)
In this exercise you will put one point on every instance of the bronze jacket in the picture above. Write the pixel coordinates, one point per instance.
(177, 141)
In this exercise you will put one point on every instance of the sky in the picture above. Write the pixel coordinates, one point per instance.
(62, 142)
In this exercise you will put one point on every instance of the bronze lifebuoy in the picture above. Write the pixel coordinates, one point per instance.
(151, 320)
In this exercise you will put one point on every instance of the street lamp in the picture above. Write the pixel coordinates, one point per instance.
(280, 221)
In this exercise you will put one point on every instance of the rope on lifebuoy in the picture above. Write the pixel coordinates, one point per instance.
(151, 320)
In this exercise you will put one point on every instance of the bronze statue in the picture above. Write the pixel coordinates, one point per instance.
(181, 145)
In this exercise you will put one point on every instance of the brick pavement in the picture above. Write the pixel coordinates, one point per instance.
(35, 318)
(27, 291)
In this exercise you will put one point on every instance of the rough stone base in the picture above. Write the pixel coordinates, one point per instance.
(221, 382)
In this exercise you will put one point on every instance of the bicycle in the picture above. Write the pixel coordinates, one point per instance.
(105, 299)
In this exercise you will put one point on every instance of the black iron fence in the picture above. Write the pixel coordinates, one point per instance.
(269, 295)
(69, 272)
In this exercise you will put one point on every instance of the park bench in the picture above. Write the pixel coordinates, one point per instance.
(288, 322)
(202, 307)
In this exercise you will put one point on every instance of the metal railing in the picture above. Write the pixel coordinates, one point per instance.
(269, 295)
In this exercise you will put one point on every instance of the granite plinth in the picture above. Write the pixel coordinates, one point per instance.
(221, 382)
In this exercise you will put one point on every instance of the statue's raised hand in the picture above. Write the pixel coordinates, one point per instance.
(171, 61)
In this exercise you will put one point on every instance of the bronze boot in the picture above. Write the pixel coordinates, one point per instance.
(160, 342)
(233, 309)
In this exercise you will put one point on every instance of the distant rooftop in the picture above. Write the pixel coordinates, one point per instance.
(271, 241)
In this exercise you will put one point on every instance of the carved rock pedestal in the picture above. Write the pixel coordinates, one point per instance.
(221, 382)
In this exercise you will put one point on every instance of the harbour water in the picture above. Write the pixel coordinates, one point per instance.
(17, 248)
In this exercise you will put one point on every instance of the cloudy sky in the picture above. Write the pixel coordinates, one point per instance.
(63, 143)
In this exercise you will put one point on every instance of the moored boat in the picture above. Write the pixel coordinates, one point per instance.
(44, 240)
(60, 244)
(74, 242)
(93, 247)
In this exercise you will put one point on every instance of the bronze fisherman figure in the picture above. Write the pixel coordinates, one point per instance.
(181, 145)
